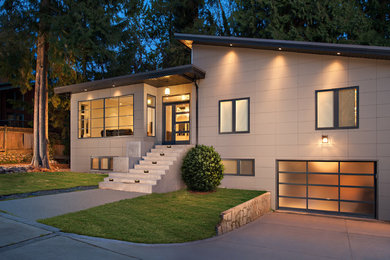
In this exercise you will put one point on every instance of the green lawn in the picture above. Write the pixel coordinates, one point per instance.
(156, 218)
(35, 181)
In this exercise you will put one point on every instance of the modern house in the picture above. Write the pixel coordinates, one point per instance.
(309, 122)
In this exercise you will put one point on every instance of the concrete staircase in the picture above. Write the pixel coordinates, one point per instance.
(158, 171)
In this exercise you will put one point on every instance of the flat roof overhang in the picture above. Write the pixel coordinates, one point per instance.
(348, 50)
(157, 78)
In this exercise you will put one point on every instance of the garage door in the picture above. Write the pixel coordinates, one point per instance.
(339, 187)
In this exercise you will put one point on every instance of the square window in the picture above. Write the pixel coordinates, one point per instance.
(337, 108)
(234, 116)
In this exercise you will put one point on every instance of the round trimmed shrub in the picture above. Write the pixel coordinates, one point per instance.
(202, 169)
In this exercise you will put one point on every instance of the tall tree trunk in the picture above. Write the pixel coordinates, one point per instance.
(40, 156)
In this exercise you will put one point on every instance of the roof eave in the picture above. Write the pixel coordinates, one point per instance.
(143, 77)
(349, 50)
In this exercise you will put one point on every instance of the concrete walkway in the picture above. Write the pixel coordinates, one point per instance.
(53, 205)
(274, 236)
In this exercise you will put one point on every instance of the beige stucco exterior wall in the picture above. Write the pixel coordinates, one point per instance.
(281, 86)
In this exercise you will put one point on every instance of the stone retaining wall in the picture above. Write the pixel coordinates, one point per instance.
(244, 213)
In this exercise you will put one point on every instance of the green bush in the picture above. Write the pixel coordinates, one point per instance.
(202, 169)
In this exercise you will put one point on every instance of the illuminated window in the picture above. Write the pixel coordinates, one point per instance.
(234, 116)
(102, 163)
(151, 115)
(337, 108)
(106, 117)
(239, 166)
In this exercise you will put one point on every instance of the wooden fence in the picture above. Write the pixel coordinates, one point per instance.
(15, 138)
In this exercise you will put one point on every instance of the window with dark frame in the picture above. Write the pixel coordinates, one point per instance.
(106, 117)
(337, 108)
(102, 163)
(151, 115)
(234, 116)
(241, 167)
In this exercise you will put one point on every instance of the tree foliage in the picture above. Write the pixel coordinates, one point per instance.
(337, 21)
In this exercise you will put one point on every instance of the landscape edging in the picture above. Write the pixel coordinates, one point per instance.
(244, 213)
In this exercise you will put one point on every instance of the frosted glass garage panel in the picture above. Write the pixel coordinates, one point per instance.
(323, 205)
(292, 203)
(323, 192)
(348, 107)
(356, 180)
(357, 167)
(242, 115)
(291, 166)
(292, 190)
(359, 194)
(323, 179)
(297, 178)
(357, 208)
(329, 167)
(226, 116)
(325, 116)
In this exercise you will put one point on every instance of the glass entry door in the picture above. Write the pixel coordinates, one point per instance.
(176, 118)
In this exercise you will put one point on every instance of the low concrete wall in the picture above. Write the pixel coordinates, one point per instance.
(244, 213)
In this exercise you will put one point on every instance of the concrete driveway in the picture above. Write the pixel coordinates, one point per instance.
(58, 204)
(274, 236)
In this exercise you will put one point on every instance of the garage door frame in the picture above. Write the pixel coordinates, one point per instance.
(339, 186)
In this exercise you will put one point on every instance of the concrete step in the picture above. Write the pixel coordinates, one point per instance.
(150, 167)
(152, 162)
(131, 180)
(149, 172)
(166, 151)
(173, 147)
(168, 156)
(141, 174)
(134, 187)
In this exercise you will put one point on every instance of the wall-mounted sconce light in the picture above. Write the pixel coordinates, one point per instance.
(149, 101)
(167, 91)
(325, 139)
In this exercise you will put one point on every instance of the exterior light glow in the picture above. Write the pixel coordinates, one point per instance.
(113, 85)
(85, 89)
(149, 101)
(338, 53)
(167, 91)
(325, 139)
(231, 45)
(183, 97)
(280, 49)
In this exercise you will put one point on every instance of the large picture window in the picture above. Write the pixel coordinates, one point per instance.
(234, 116)
(151, 115)
(106, 117)
(337, 108)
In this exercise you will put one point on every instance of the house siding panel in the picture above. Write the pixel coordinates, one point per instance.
(281, 86)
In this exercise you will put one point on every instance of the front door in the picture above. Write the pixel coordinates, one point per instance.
(176, 118)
